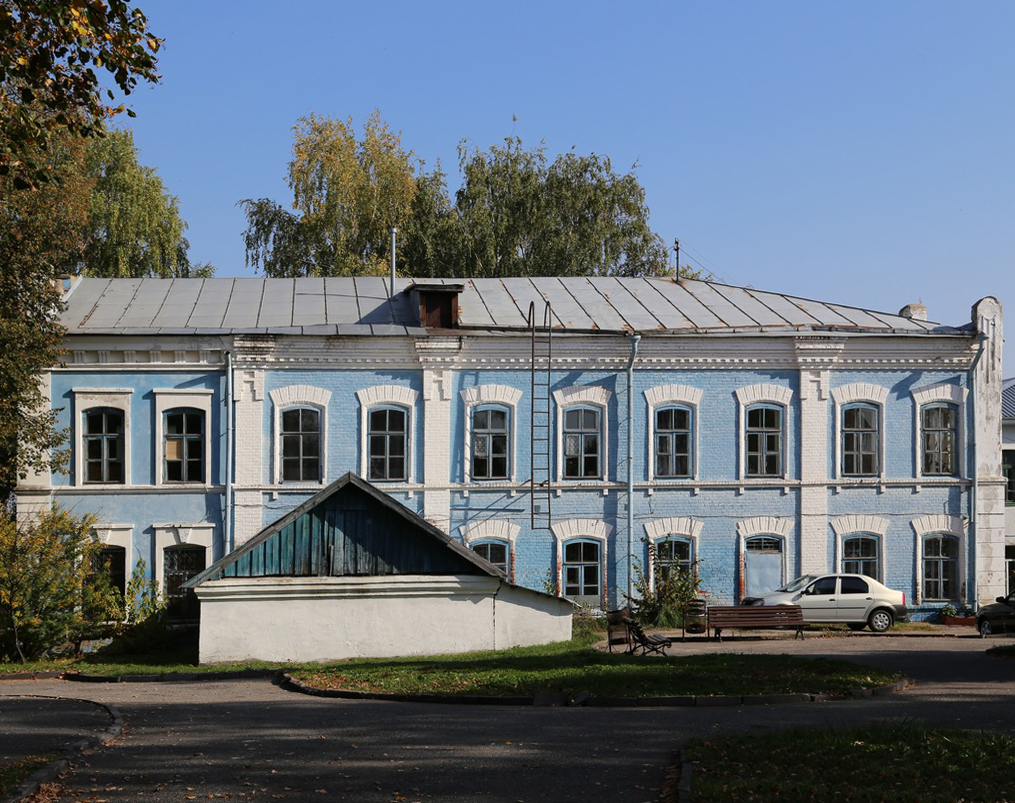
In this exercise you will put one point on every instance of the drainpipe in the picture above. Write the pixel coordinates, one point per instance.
(635, 339)
(391, 291)
(974, 521)
(227, 536)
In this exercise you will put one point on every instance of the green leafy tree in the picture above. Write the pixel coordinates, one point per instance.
(134, 224)
(49, 591)
(52, 54)
(41, 229)
(660, 598)
(347, 194)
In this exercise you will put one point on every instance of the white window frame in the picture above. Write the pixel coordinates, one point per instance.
(388, 396)
(491, 395)
(86, 399)
(859, 393)
(762, 394)
(939, 524)
(584, 396)
(170, 535)
(167, 399)
(493, 530)
(679, 527)
(663, 396)
(942, 393)
(852, 525)
(581, 530)
(299, 397)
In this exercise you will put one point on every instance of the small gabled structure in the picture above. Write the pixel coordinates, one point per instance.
(352, 573)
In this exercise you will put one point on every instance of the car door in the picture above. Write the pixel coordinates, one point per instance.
(818, 600)
(855, 599)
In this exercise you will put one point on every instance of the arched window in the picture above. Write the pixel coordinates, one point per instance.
(764, 441)
(582, 443)
(582, 571)
(103, 443)
(940, 567)
(673, 442)
(939, 425)
(860, 440)
(180, 564)
(301, 445)
(183, 452)
(386, 437)
(491, 457)
(497, 552)
(672, 555)
(860, 555)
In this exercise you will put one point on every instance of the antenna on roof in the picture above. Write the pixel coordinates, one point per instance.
(676, 251)
(391, 290)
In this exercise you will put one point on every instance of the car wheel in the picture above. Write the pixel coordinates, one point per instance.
(857, 625)
(986, 628)
(880, 621)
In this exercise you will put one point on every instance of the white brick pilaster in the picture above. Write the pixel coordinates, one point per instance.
(248, 391)
(247, 515)
(437, 356)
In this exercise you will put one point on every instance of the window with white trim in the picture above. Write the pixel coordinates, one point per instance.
(764, 440)
(582, 440)
(184, 445)
(672, 556)
(497, 552)
(940, 567)
(386, 439)
(1008, 466)
(103, 441)
(301, 444)
(491, 442)
(860, 555)
(673, 453)
(860, 440)
(939, 428)
(582, 571)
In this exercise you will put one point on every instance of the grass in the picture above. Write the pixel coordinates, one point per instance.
(900, 762)
(572, 667)
(14, 773)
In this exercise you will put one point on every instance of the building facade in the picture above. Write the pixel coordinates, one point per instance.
(1008, 465)
(748, 436)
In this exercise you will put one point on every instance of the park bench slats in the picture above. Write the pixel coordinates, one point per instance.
(756, 616)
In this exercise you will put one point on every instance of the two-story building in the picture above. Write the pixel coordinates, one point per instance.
(748, 435)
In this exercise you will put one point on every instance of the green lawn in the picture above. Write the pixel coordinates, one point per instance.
(900, 763)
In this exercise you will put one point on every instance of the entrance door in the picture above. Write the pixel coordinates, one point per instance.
(762, 565)
(182, 563)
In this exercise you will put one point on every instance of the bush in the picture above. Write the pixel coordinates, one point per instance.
(659, 601)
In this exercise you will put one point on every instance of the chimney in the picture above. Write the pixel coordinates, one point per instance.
(917, 312)
(437, 304)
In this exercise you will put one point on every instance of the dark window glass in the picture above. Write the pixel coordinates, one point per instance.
(860, 556)
(386, 440)
(673, 442)
(940, 567)
(103, 443)
(111, 561)
(581, 571)
(764, 442)
(764, 543)
(490, 459)
(301, 445)
(860, 440)
(940, 435)
(672, 555)
(496, 552)
(824, 585)
(1008, 464)
(182, 563)
(581, 444)
(184, 446)
(853, 585)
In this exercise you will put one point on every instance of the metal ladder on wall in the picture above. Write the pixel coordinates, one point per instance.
(540, 430)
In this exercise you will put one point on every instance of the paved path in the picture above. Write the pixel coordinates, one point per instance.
(250, 740)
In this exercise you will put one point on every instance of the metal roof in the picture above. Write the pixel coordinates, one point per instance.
(1008, 399)
(361, 306)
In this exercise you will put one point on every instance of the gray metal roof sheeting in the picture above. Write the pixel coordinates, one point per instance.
(361, 306)
(1008, 399)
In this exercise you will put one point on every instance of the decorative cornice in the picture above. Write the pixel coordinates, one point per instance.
(860, 392)
(755, 394)
(939, 523)
(570, 529)
(673, 394)
(490, 530)
(765, 525)
(682, 526)
(582, 394)
(850, 525)
(489, 394)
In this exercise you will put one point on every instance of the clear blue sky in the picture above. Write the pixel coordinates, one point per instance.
(856, 152)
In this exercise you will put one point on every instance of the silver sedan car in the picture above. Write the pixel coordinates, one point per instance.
(854, 599)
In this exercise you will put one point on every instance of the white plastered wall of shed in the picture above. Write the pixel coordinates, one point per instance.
(331, 618)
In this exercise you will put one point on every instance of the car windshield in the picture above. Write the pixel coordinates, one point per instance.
(800, 582)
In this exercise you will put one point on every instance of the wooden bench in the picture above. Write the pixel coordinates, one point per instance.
(646, 642)
(756, 616)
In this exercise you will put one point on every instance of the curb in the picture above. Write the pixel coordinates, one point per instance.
(584, 699)
(31, 784)
(173, 677)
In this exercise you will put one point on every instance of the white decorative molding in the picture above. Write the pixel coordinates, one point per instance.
(676, 395)
(491, 394)
(490, 530)
(380, 395)
(681, 526)
(295, 396)
(581, 530)
(90, 398)
(592, 396)
(167, 399)
(947, 393)
(199, 534)
(859, 393)
(759, 394)
(762, 394)
(859, 524)
(939, 524)
(765, 525)
(121, 535)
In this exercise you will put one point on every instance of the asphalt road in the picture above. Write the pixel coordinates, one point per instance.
(250, 740)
